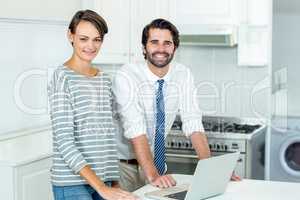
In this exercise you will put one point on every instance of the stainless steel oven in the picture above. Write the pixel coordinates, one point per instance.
(182, 159)
(185, 162)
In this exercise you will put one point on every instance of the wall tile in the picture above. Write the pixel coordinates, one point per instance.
(224, 87)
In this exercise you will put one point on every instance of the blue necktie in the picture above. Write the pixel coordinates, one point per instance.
(159, 142)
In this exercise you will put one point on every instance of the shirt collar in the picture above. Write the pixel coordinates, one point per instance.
(153, 78)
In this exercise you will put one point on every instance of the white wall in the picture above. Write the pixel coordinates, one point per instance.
(286, 48)
(27, 50)
(33, 39)
(224, 87)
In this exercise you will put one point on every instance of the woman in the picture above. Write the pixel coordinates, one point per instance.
(85, 162)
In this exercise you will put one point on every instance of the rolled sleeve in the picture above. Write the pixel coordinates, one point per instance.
(134, 129)
(190, 112)
(191, 126)
(127, 105)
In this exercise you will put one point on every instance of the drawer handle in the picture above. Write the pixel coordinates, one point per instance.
(181, 156)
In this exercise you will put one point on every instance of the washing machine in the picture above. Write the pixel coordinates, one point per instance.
(284, 149)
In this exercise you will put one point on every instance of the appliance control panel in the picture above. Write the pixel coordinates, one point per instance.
(215, 144)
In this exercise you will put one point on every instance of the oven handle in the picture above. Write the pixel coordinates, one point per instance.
(181, 155)
(189, 156)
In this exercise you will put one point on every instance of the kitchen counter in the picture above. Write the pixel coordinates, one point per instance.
(25, 161)
(26, 146)
(246, 189)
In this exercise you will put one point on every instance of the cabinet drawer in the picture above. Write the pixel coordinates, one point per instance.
(33, 180)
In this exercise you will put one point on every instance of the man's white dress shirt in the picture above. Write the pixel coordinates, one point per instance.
(135, 86)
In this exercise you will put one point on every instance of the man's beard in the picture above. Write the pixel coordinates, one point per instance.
(157, 62)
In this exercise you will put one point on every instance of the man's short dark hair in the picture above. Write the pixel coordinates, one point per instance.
(160, 24)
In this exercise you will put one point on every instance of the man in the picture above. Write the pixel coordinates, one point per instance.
(148, 97)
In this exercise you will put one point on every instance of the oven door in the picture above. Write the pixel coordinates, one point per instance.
(181, 161)
(185, 162)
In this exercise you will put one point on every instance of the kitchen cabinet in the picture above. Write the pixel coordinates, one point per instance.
(254, 37)
(32, 176)
(126, 20)
(255, 12)
(143, 12)
(48, 10)
(30, 181)
(205, 12)
(25, 161)
(115, 48)
(253, 45)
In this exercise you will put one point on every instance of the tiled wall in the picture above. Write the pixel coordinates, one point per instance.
(223, 87)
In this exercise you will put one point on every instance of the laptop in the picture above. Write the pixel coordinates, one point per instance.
(210, 179)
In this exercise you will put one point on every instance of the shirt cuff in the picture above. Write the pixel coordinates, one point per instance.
(77, 168)
(191, 126)
(135, 131)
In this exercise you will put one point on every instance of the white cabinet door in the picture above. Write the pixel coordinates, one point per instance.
(143, 12)
(254, 36)
(115, 48)
(33, 181)
(55, 10)
(205, 11)
(253, 45)
(256, 12)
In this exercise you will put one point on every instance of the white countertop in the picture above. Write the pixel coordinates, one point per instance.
(25, 147)
(246, 189)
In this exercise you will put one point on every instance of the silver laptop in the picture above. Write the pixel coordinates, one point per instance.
(210, 179)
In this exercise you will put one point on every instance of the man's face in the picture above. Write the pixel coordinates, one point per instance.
(160, 47)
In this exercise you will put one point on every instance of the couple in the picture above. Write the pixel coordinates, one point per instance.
(92, 160)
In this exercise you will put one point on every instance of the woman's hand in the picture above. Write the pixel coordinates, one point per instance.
(111, 193)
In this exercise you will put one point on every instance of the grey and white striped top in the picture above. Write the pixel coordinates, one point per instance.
(83, 128)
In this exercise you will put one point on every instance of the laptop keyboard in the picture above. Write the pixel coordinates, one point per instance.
(178, 195)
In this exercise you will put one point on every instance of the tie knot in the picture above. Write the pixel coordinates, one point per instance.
(160, 83)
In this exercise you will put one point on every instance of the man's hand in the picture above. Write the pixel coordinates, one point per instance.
(235, 177)
(165, 181)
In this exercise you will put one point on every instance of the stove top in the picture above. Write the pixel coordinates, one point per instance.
(223, 133)
(222, 125)
(230, 127)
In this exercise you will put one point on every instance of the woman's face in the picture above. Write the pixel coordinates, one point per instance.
(86, 41)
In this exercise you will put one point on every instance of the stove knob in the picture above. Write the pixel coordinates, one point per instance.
(172, 144)
(225, 147)
(187, 144)
(218, 147)
(221, 147)
(210, 146)
(179, 144)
